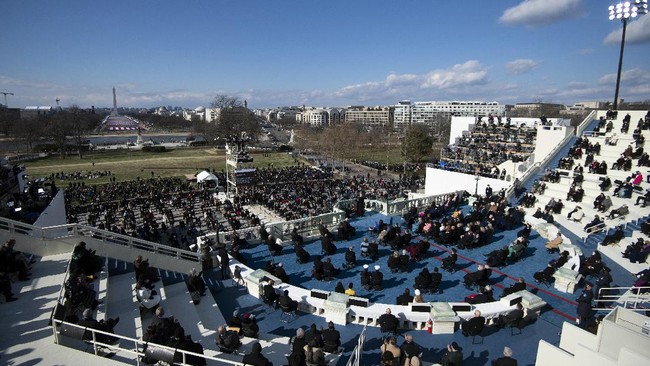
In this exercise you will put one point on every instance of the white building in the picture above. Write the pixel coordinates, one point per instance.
(369, 116)
(407, 112)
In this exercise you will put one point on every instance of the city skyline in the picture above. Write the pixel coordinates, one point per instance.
(319, 54)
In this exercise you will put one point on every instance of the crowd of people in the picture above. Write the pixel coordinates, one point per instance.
(489, 145)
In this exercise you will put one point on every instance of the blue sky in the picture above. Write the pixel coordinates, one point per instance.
(317, 53)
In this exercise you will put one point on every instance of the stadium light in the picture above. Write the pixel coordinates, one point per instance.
(624, 11)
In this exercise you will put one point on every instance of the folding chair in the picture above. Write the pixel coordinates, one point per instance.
(287, 315)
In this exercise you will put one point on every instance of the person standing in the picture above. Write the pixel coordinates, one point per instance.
(584, 305)
(224, 259)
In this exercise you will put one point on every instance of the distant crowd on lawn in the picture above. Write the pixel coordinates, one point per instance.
(174, 211)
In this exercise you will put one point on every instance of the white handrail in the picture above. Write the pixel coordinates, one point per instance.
(140, 345)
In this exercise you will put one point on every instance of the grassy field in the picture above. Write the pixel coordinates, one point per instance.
(128, 165)
(131, 164)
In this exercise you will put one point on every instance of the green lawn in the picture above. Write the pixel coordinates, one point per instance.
(128, 165)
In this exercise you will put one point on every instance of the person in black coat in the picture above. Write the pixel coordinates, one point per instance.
(268, 293)
(511, 318)
(366, 278)
(520, 285)
(506, 360)
(224, 259)
(474, 325)
(302, 256)
(584, 309)
(331, 339)
(296, 238)
(393, 262)
(377, 278)
(436, 279)
(388, 322)
(405, 298)
(255, 358)
(327, 246)
(350, 258)
(449, 261)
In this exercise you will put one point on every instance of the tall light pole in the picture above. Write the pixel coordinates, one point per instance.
(625, 11)
(5, 93)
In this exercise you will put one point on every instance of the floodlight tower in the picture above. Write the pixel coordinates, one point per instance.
(5, 93)
(624, 11)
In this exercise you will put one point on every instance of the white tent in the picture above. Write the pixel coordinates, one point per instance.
(206, 176)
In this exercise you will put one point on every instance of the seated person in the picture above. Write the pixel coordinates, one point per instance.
(525, 232)
(592, 266)
(350, 290)
(544, 275)
(605, 184)
(281, 273)
(576, 214)
(227, 340)
(517, 248)
(235, 322)
(393, 262)
(148, 299)
(485, 295)
(621, 211)
(405, 298)
(436, 280)
(143, 271)
(314, 355)
(195, 283)
(473, 278)
(561, 260)
(614, 237)
(161, 327)
(364, 247)
(497, 258)
(88, 321)
(350, 258)
(474, 325)
(512, 318)
(327, 245)
(410, 350)
(390, 353)
(373, 250)
(286, 303)
(317, 270)
(256, 358)
(331, 339)
(520, 285)
(314, 336)
(640, 255)
(302, 256)
(329, 271)
(449, 262)
(269, 296)
(249, 327)
(404, 261)
(274, 247)
(296, 238)
(388, 322)
(594, 225)
(554, 245)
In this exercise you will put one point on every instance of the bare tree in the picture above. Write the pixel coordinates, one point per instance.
(221, 101)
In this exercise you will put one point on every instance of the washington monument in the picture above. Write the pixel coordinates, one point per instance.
(114, 112)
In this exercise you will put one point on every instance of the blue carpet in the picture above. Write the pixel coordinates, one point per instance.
(561, 306)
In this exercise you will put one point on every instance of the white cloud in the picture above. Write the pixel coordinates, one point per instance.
(469, 73)
(521, 66)
(540, 12)
(638, 31)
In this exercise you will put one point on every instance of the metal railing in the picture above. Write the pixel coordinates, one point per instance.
(585, 122)
(628, 297)
(75, 230)
(135, 349)
(355, 357)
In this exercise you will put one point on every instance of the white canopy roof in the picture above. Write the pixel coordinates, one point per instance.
(205, 175)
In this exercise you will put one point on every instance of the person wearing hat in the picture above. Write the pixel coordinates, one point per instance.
(584, 309)
(366, 278)
(249, 326)
(506, 360)
(453, 357)
(418, 297)
(377, 278)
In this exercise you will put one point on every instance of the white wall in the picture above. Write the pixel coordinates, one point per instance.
(458, 125)
(440, 181)
(548, 137)
(549, 355)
